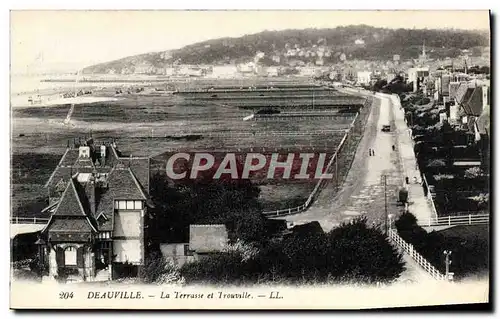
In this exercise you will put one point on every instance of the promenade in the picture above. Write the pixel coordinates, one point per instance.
(419, 205)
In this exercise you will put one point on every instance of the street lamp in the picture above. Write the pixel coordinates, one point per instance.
(448, 274)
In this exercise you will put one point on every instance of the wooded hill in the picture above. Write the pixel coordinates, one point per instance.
(356, 42)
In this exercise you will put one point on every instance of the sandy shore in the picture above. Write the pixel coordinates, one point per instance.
(22, 101)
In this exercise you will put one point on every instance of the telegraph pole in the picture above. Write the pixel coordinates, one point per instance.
(447, 261)
(385, 200)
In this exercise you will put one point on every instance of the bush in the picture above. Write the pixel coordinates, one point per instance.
(358, 252)
(351, 252)
(470, 255)
(473, 172)
(158, 270)
(247, 251)
(221, 268)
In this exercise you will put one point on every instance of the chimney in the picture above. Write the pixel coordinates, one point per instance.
(103, 155)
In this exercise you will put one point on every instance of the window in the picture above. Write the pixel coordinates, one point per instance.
(128, 204)
(138, 204)
(70, 256)
(101, 219)
(104, 235)
(122, 204)
(187, 251)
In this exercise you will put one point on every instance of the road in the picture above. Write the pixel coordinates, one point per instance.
(363, 190)
(362, 193)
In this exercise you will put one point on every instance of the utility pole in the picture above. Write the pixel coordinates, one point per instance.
(447, 261)
(385, 200)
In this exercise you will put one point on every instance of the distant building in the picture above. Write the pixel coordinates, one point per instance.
(272, 71)
(224, 71)
(308, 71)
(422, 58)
(246, 68)
(390, 77)
(170, 71)
(204, 240)
(417, 76)
(363, 77)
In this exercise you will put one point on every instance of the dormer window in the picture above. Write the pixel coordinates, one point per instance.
(101, 218)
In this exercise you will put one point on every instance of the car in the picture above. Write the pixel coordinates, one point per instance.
(386, 128)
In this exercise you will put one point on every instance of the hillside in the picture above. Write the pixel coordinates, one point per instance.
(308, 45)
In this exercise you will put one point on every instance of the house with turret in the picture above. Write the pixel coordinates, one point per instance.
(98, 202)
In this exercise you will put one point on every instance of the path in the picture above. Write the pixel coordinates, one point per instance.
(420, 205)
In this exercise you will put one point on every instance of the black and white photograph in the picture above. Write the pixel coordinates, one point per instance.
(249, 159)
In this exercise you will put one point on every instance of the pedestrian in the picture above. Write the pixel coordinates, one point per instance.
(393, 148)
(373, 152)
(370, 151)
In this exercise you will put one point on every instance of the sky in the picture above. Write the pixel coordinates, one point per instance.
(70, 40)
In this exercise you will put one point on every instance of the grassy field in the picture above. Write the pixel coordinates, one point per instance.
(151, 122)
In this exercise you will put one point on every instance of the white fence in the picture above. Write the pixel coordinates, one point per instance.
(457, 220)
(410, 250)
(28, 220)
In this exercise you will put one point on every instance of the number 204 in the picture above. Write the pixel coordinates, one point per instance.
(65, 295)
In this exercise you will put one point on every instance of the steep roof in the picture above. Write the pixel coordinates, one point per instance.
(71, 203)
(473, 101)
(461, 91)
(453, 89)
(71, 212)
(70, 225)
(122, 184)
(207, 238)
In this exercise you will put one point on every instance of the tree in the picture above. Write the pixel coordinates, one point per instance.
(221, 268)
(379, 84)
(473, 172)
(357, 252)
(470, 253)
(233, 203)
(159, 270)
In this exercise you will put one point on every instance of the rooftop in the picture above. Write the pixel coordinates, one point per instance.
(207, 238)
